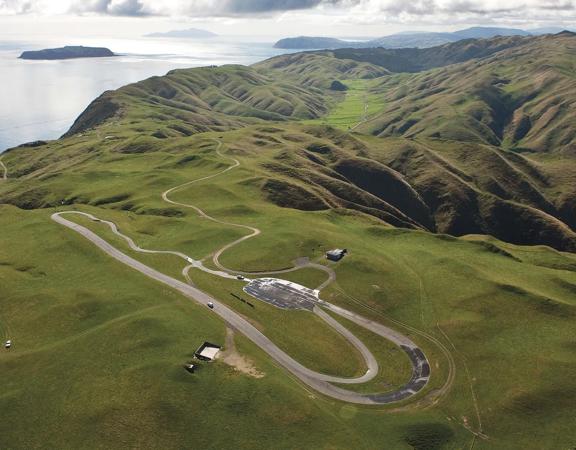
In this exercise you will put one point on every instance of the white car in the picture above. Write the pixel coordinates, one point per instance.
(210, 305)
(8, 344)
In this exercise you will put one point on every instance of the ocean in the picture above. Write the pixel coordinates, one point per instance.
(39, 100)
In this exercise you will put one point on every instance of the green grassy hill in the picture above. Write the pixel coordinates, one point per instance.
(99, 348)
(191, 101)
(511, 99)
(219, 98)
(419, 59)
(489, 142)
(370, 62)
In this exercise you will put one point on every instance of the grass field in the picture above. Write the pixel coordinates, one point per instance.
(107, 358)
(463, 292)
(99, 348)
(357, 106)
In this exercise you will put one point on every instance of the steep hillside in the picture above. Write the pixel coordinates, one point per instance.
(437, 186)
(457, 169)
(319, 68)
(197, 100)
(447, 187)
(419, 59)
(476, 189)
(190, 101)
(522, 98)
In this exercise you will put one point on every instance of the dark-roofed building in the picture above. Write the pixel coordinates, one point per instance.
(336, 254)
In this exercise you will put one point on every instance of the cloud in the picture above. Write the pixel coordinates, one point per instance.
(166, 7)
(111, 7)
(439, 12)
(465, 11)
(264, 6)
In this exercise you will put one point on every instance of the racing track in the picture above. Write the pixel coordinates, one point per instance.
(318, 381)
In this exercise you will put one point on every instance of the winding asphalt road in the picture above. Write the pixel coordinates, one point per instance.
(253, 231)
(320, 382)
(4, 171)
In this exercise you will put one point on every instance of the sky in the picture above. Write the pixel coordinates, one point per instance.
(279, 18)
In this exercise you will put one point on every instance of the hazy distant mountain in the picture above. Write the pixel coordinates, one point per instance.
(68, 52)
(416, 40)
(190, 33)
(310, 42)
(488, 32)
(550, 30)
(407, 39)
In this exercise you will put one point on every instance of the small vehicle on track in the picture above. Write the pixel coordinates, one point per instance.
(8, 343)
(239, 277)
(210, 305)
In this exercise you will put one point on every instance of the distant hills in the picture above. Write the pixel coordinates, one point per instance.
(68, 52)
(487, 138)
(481, 133)
(408, 39)
(190, 33)
(309, 42)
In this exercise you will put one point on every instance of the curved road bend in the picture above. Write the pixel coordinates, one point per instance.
(253, 230)
(137, 248)
(319, 382)
(4, 170)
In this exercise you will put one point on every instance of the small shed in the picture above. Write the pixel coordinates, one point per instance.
(207, 351)
(336, 255)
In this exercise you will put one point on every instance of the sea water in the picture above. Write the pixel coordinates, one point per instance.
(39, 100)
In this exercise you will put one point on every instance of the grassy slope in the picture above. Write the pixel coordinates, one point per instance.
(189, 101)
(419, 59)
(470, 289)
(510, 98)
(495, 133)
(358, 105)
(98, 348)
(318, 69)
(98, 364)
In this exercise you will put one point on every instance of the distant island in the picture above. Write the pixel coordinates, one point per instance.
(409, 39)
(68, 52)
(190, 33)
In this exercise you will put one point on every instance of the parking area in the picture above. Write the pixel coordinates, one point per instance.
(281, 293)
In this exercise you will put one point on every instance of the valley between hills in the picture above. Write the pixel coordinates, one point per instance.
(449, 174)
